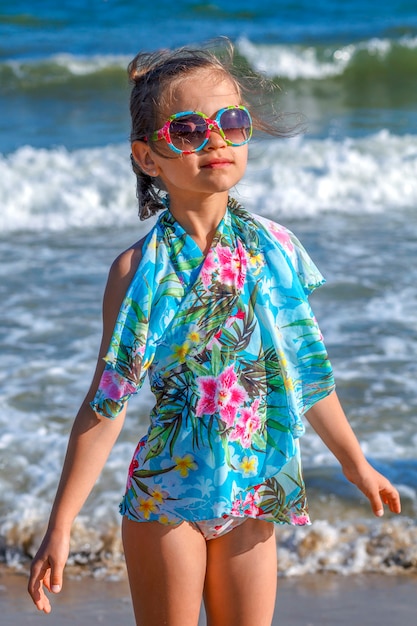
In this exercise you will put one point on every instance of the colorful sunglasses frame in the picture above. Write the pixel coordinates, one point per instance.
(163, 133)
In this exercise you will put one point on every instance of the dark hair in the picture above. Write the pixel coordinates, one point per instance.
(154, 76)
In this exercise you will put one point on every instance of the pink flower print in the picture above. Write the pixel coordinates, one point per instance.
(236, 508)
(300, 520)
(140, 351)
(240, 315)
(140, 445)
(114, 385)
(214, 341)
(133, 466)
(248, 424)
(283, 236)
(222, 394)
(233, 265)
(209, 266)
(250, 504)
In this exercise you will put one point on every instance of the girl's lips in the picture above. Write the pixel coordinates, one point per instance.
(217, 164)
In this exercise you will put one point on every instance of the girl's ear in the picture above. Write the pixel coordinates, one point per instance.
(143, 156)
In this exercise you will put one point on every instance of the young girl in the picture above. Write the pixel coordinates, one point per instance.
(212, 305)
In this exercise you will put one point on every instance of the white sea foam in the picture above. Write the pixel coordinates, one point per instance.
(311, 62)
(292, 61)
(348, 547)
(54, 68)
(57, 189)
(84, 65)
(307, 177)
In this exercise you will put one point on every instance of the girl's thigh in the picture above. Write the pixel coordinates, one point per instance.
(241, 577)
(166, 567)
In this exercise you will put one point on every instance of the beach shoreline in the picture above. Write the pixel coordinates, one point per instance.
(366, 600)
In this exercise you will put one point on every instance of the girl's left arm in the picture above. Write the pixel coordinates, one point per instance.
(330, 423)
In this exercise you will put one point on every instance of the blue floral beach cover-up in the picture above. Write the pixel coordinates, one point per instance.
(234, 356)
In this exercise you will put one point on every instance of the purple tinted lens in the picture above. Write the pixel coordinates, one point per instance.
(236, 125)
(188, 132)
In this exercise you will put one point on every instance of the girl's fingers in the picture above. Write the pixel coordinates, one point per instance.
(387, 494)
(55, 583)
(40, 575)
(391, 497)
(376, 504)
(379, 491)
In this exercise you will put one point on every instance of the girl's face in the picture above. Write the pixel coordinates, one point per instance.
(215, 168)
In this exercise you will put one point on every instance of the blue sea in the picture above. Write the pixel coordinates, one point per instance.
(347, 187)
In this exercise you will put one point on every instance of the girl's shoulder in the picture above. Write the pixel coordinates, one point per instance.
(124, 267)
(120, 276)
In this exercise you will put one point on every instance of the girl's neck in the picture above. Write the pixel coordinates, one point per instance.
(201, 219)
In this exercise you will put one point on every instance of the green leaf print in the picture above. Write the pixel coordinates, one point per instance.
(184, 266)
(197, 368)
(177, 244)
(216, 362)
(177, 430)
(274, 500)
(139, 315)
(142, 473)
(175, 292)
(277, 426)
(161, 435)
(258, 442)
(135, 482)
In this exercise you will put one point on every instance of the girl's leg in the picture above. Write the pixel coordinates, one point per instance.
(241, 576)
(166, 567)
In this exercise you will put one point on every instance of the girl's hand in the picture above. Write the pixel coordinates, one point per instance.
(47, 569)
(376, 488)
(330, 423)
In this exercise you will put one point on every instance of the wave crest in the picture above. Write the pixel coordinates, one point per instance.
(55, 190)
(295, 62)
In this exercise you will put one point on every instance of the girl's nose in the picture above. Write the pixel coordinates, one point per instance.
(215, 140)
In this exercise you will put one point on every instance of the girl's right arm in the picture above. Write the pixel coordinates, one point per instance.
(91, 440)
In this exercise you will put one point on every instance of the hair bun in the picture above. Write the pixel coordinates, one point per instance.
(135, 70)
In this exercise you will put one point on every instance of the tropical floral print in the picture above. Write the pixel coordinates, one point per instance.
(222, 395)
(234, 356)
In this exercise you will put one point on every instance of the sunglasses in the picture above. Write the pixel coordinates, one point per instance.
(189, 131)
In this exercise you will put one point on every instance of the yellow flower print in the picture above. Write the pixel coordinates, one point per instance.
(147, 506)
(158, 496)
(282, 358)
(184, 464)
(288, 381)
(288, 384)
(146, 364)
(256, 261)
(153, 244)
(249, 465)
(194, 336)
(181, 352)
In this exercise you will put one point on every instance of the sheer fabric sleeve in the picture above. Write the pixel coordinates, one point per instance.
(129, 354)
(309, 275)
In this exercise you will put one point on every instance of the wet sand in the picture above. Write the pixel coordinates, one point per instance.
(365, 600)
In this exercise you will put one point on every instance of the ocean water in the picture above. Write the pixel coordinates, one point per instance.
(347, 187)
